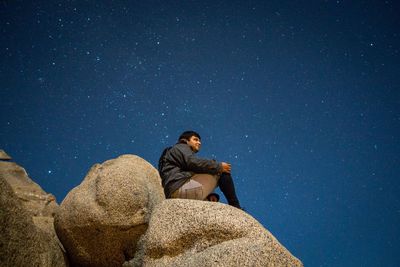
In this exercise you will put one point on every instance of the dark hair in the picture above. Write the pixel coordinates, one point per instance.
(187, 135)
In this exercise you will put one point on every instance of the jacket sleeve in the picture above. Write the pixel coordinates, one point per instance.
(195, 164)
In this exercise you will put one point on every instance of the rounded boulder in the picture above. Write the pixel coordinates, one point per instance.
(100, 221)
(203, 234)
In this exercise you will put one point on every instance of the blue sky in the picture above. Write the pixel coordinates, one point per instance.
(302, 98)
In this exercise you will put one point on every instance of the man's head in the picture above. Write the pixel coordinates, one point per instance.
(191, 138)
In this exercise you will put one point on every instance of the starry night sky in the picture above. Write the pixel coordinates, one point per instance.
(302, 97)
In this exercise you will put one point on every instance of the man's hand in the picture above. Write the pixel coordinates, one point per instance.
(226, 167)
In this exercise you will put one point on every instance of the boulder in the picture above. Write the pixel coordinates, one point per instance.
(4, 155)
(100, 221)
(197, 233)
(34, 199)
(26, 225)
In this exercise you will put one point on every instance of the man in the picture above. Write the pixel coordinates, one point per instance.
(186, 176)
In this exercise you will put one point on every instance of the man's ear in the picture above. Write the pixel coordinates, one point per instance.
(183, 140)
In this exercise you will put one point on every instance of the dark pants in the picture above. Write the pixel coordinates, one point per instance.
(227, 187)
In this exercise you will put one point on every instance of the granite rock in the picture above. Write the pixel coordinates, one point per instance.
(198, 233)
(4, 155)
(100, 221)
(26, 223)
(34, 199)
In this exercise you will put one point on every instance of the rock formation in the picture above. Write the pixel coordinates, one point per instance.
(101, 220)
(118, 216)
(3, 155)
(26, 221)
(197, 233)
(35, 200)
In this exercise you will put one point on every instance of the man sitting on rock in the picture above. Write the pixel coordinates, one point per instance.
(186, 176)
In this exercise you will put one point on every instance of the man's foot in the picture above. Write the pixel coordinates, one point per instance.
(213, 197)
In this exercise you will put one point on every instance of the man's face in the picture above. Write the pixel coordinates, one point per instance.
(194, 143)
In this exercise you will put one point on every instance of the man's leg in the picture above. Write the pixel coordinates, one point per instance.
(225, 183)
(199, 186)
(190, 190)
(209, 182)
(227, 187)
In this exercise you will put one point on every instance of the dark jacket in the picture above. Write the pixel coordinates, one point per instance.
(179, 163)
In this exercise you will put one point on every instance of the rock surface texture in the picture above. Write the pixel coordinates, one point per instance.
(100, 221)
(118, 216)
(26, 223)
(4, 155)
(196, 233)
(35, 200)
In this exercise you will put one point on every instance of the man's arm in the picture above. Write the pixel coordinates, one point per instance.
(196, 164)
